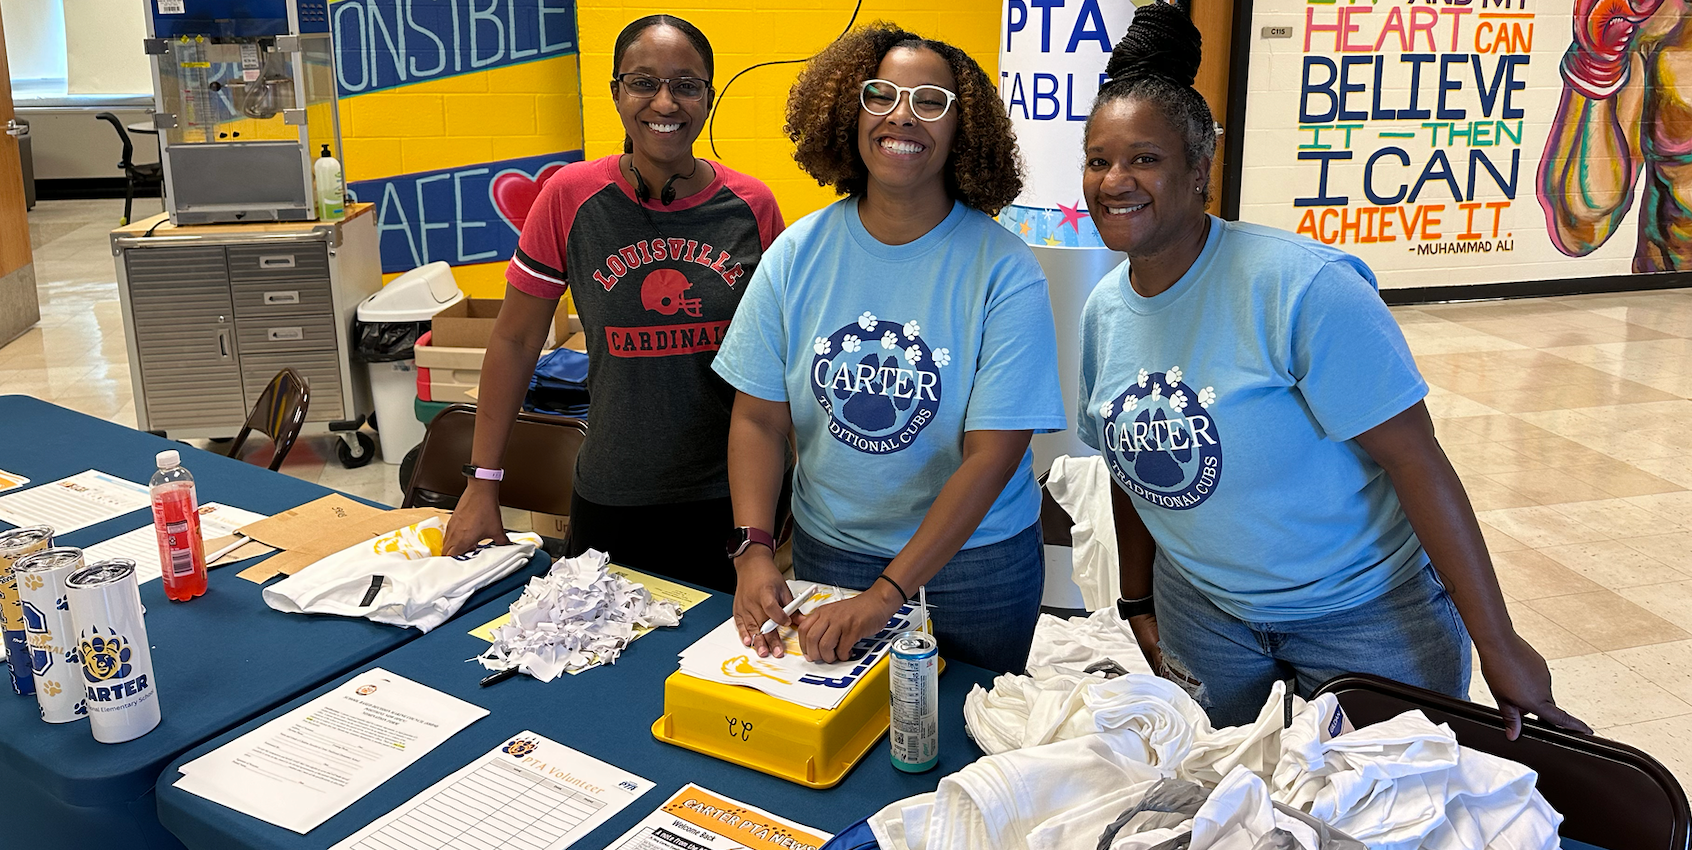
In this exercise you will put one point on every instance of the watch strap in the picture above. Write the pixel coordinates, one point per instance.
(1130, 608)
(473, 471)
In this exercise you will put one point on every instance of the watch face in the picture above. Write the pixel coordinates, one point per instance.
(736, 543)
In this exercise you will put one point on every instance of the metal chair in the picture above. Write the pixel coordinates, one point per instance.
(279, 414)
(539, 475)
(1610, 794)
(146, 174)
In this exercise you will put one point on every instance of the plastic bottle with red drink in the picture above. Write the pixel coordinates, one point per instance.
(176, 519)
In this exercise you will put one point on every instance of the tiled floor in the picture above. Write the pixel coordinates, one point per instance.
(1568, 419)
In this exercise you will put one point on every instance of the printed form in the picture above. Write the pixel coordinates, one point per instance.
(300, 769)
(697, 819)
(528, 793)
(142, 544)
(75, 502)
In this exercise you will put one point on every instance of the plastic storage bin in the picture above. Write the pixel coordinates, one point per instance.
(389, 324)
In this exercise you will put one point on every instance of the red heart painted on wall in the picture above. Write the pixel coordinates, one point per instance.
(514, 192)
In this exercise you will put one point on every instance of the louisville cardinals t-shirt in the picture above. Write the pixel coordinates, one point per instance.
(655, 286)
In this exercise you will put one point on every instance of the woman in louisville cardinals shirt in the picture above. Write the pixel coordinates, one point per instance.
(657, 247)
(906, 339)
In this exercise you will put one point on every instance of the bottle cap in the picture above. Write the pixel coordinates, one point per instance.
(326, 154)
(169, 459)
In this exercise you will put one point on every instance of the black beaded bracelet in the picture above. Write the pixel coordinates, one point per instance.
(902, 594)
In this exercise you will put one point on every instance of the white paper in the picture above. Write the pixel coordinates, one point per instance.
(697, 818)
(300, 769)
(75, 502)
(171, 7)
(142, 544)
(720, 657)
(528, 793)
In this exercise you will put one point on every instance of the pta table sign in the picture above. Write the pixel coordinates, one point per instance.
(1051, 63)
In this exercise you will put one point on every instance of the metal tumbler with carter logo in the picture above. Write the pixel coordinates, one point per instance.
(117, 666)
(14, 545)
(53, 657)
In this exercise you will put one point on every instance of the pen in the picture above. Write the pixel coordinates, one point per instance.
(499, 676)
(240, 540)
(788, 609)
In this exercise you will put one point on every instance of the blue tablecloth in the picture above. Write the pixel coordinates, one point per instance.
(606, 713)
(219, 659)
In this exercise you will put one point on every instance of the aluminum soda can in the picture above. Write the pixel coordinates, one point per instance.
(117, 664)
(14, 545)
(53, 657)
(913, 727)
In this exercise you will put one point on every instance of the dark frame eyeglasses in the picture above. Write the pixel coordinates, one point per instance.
(643, 86)
(928, 103)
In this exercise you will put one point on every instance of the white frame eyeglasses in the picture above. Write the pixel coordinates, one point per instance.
(910, 93)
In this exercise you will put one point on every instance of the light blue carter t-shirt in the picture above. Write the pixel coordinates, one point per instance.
(886, 355)
(1228, 405)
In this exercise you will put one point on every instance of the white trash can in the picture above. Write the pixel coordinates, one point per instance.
(398, 314)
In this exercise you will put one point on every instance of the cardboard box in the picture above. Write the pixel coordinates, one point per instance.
(440, 357)
(470, 323)
(549, 525)
(450, 385)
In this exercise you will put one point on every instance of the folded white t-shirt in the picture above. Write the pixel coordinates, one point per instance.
(400, 578)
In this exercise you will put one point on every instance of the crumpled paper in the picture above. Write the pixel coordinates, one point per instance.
(578, 616)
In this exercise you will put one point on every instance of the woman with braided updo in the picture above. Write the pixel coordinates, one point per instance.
(1282, 507)
(905, 339)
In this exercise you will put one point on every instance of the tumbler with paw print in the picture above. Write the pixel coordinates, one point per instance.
(53, 657)
(117, 664)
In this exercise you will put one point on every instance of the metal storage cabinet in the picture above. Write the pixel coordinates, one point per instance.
(212, 312)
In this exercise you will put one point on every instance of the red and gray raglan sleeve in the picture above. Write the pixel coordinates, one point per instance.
(537, 267)
(763, 204)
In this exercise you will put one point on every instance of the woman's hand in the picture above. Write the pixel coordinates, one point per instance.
(827, 634)
(1521, 683)
(759, 594)
(1144, 630)
(475, 519)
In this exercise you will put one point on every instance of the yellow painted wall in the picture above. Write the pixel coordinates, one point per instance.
(745, 32)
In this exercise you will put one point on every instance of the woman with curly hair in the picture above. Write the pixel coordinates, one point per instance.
(906, 340)
(1282, 508)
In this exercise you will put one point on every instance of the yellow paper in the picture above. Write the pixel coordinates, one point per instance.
(661, 590)
(9, 480)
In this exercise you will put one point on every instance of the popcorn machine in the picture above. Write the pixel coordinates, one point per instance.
(244, 99)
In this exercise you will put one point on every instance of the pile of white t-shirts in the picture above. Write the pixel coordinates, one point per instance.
(399, 578)
(579, 615)
(1401, 784)
(1073, 645)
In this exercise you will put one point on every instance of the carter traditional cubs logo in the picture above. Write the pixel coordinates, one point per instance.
(878, 381)
(520, 747)
(1161, 442)
(105, 657)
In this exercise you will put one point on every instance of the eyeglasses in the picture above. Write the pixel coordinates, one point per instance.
(929, 103)
(645, 86)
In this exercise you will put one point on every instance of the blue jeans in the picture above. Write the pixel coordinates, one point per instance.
(985, 600)
(1411, 634)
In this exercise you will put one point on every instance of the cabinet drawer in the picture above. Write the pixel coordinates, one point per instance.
(283, 260)
(321, 370)
(285, 333)
(264, 299)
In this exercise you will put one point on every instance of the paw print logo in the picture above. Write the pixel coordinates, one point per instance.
(1144, 375)
(33, 581)
(913, 355)
(62, 603)
(1178, 400)
(1173, 375)
(1106, 410)
(822, 346)
(867, 321)
(1207, 397)
(868, 406)
(1163, 465)
(850, 344)
(105, 658)
(890, 340)
(520, 747)
(942, 356)
(81, 709)
(912, 329)
(1157, 391)
(52, 688)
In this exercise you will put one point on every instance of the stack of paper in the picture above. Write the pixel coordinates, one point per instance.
(720, 657)
(76, 502)
(300, 769)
